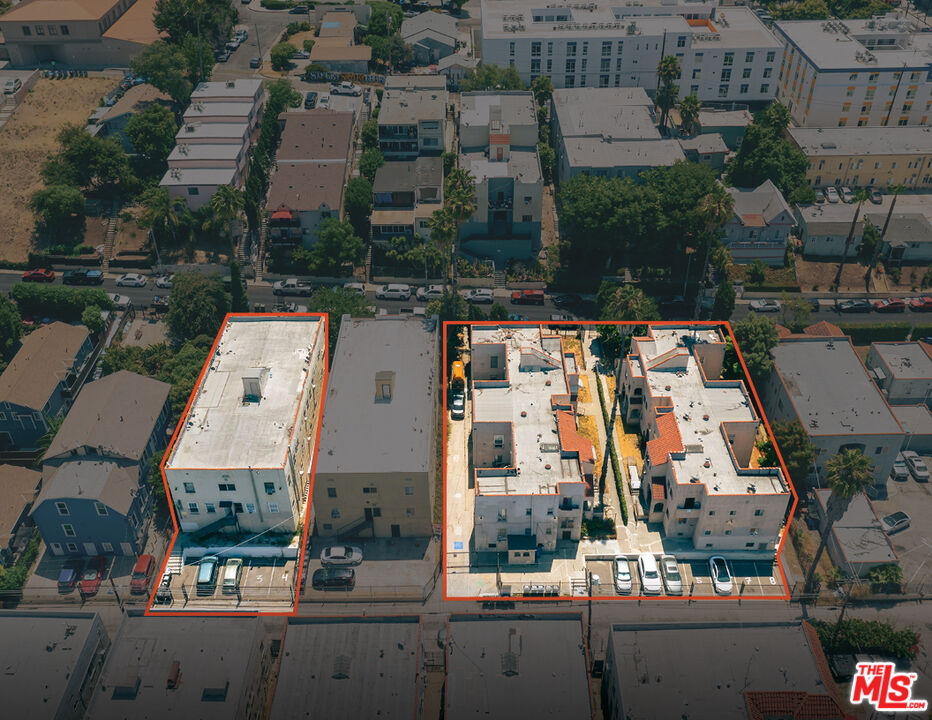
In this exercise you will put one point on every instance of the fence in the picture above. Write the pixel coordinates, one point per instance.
(868, 593)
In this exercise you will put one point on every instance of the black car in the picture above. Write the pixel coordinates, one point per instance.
(299, 10)
(854, 306)
(570, 300)
(310, 100)
(82, 276)
(221, 56)
(70, 572)
(333, 577)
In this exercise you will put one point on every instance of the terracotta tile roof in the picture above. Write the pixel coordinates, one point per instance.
(783, 331)
(821, 661)
(753, 220)
(791, 705)
(668, 439)
(571, 440)
(136, 24)
(824, 328)
(658, 489)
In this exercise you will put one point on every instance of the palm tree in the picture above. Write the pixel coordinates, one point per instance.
(161, 212)
(860, 195)
(848, 473)
(459, 200)
(442, 232)
(689, 114)
(667, 71)
(225, 206)
(715, 209)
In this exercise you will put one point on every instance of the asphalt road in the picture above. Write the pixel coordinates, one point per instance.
(268, 25)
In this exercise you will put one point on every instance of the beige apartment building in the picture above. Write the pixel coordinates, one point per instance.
(376, 466)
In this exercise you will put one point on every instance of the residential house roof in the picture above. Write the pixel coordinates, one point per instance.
(904, 360)
(705, 143)
(337, 23)
(102, 481)
(904, 228)
(596, 153)
(824, 328)
(457, 60)
(760, 206)
(117, 413)
(790, 705)
(429, 24)
(59, 10)
(136, 99)
(668, 440)
(45, 358)
(400, 175)
(408, 107)
(136, 24)
(209, 177)
(866, 140)
(315, 135)
(858, 533)
(830, 219)
(17, 490)
(338, 48)
(307, 185)
(416, 82)
(607, 113)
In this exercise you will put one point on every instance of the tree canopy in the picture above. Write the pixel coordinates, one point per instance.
(357, 201)
(337, 302)
(11, 329)
(59, 212)
(491, 77)
(152, 133)
(756, 336)
(197, 305)
(337, 246)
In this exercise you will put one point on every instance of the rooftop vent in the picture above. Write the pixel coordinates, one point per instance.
(254, 380)
(174, 675)
(341, 667)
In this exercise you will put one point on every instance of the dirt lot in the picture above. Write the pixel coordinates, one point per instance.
(27, 139)
(129, 236)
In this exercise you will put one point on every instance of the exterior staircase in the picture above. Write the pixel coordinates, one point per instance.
(111, 235)
(175, 562)
(353, 529)
(499, 279)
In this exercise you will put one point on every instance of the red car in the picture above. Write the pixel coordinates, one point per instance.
(921, 304)
(142, 573)
(39, 275)
(890, 305)
(93, 574)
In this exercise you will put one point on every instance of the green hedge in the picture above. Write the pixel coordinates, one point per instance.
(619, 478)
(62, 303)
(772, 288)
(868, 636)
(865, 334)
(921, 331)
(13, 578)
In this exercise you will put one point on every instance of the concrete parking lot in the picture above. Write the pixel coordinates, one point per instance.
(913, 546)
(263, 580)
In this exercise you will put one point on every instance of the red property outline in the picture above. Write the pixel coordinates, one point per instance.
(171, 505)
(719, 325)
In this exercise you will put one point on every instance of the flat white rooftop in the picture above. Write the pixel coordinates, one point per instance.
(618, 113)
(238, 88)
(904, 360)
(224, 431)
(209, 110)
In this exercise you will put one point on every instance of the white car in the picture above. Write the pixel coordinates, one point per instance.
(846, 195)
(480, 296)
(721, 575)
(917, 467)
(895, 523)
(164, 282)
(393, 291)
(345, 88)
(649, 574)
(430, 292)
(131, 280)
(120, 302)
(357, 288)
(458, 406)
(341, 555)
(12, 85)
(764, 305)
(671, 575)
(323, 101)
(831, 194)
(900, 471)
(622, 575)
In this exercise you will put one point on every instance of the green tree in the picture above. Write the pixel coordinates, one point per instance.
(337, 302)
(498, 312)
(715, 209)
(199, 59)
(197, 305)
(88, 162)
(166, 67)
(11, 329)
(370, 134)
(385, 18)
(724, 300)
(689, 114)
(443, 231)
(548, 159)
(157, 486)
(756, 273)
(357, 201)
(416, 255)
(459, 199)
(796, 449)
(625, 302)
(152, 133)
(756, 336)
(239, 302)
(803, 10)
(280, 55)
(847, 474)
(668, 71)
(211, 19)
(91, 319)
(161, 213)
(449, 161)
(860, 195)
(491, 77)
(369, 163)
(224, 209)
(282, 96)
(59, 212)
(337, 246)
(794, 311)
(542, 87)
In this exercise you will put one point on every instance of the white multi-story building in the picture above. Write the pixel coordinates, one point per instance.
(724, 56)
(412, 122)
(245, 451)
(533, 469)
(700, 478)
(855, 72)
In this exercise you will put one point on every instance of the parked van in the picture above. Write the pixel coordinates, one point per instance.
(207, 575)
(393, 292)
(232, 572)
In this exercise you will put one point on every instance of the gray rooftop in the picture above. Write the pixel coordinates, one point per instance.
(506, 668)
(723, 660)
(216, 657)
(407, 107)
(845, 141)
(223, 431)
(360, 435)
(221, 109)
(915, 419)
(904, 360)
(859, 533)
(416, 82)
(349, 668)
(765, 200)
(705, 143)
(516, 108)
(205, 151)
(117, 413)
(38, 654)
(182, 177)
(106, 482)
(522, 165)
(829, 218)
(412, 29)
(595, 153)
(224, 90)
(44, 359)
(904, 228)
(830, 388)
(401, 176)
(710, 117)
(609, 113)
(211, 130)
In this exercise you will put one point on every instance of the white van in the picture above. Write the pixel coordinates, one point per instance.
(393, 292)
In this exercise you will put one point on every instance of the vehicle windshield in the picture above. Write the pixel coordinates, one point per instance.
(672, 571)
(89, 575)
(623, 572)
(138, 575)
(650, 573)
(721, 573)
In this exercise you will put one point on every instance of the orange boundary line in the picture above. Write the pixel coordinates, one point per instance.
(551, 598)
(171, 447)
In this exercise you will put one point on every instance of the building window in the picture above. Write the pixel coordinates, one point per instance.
(768, 72)
(335, 514)
(409, 512)
(749, 57)
(27, 31)
(71, 547)
(707, 532)
(571, 49)
(68, 530)
(550, 48)
(250, 508)
(331, 492)
(193, 191)
(192, 508)
(585, 47)
(53, 30)
(101, 509)
(189, 487)
(269, 488)
(681, 521)
(62, 508)
(511, 48)
(731, 512)
(758, 512)
(746, 73)
(771, 56)
(605, 65)
(570, 66)
(726, 75)
(765, 88)
(328, 526)
(722, 90)
(744, 90)
(728, 532)
(729, 58)
(64, 29)
(226, 487)
(499, 441)
(502, 515)
(40, 30)
(409, 490)
(535, 49)
(210, 508)
(606, 47)
(106, 547)
(527, 218)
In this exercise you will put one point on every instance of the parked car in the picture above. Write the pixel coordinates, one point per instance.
(255, 62)
(458, 406)
(142, 574)
(232, 572)
(622, 575)
(831, 194)
(92, 576)
(207, 575)
(567, 301)
(82, 276)
(921, 304)
(341, 555)
(292, 286)
(855, 306)
(480, 296)
(11, 85)
(310, 100)
(670, 571)
(221, 56)
(559, 317)
(39, 275)
(819, 197)
(517, 317)
(232, 45)
(164, 282)
(242, 34)
(649, 574)
(70, 572)
(324, 101)
(847, 195)
(393, 291)
(890, 305)
(131, 280)
(721, 575)
(900, 471)
(876, 196)
(916, 465)
(120, 302)
(429, 292)
(345, 88)
(333, 577)
(358, 288)
(762, 306)
(527, 297)
(300, 55)
(299, 10)
(895, 522)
